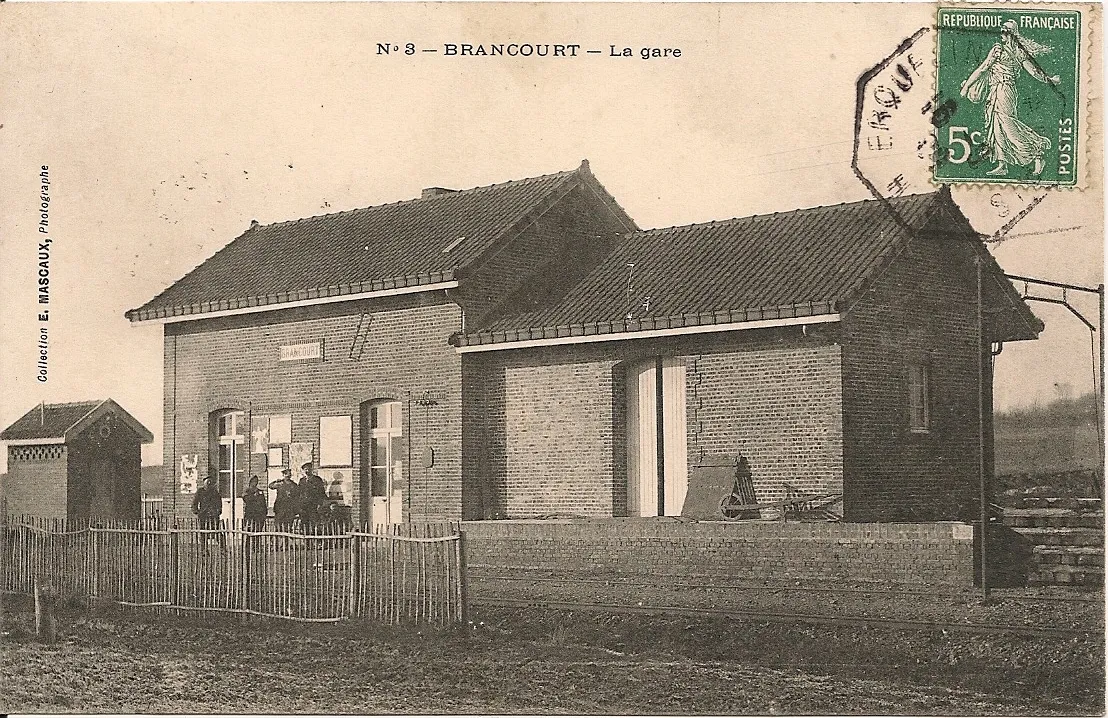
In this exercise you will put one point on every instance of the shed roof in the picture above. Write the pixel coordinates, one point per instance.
(800, 263)
(59, 423)
(404, 244)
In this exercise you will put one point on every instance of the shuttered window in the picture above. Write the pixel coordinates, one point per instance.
(919, 411)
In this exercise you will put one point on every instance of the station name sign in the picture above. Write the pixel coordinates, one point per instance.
(302, 352)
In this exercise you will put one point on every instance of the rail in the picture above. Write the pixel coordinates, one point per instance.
(775, 617)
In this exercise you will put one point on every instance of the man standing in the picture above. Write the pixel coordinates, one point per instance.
(208, 505)
(313, 496)
(285, 507)
(254, 506)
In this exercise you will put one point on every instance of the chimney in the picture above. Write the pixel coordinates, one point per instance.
(254, 224)
(435, 192)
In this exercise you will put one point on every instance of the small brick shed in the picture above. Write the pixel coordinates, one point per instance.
(76, 460)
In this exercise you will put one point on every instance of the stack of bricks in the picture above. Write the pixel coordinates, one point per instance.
(1066, 538)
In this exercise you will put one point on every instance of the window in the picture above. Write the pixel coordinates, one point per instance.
(919, 411)
(231, 462)
(386, 447)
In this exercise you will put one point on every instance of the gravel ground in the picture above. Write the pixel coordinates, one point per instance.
(539, 662)
(1011, 607)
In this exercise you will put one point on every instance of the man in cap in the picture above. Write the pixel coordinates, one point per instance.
(285, 507)
(313, 496)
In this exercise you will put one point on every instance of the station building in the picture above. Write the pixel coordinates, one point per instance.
(524, 350)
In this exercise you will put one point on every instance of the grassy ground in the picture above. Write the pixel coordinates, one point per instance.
(546, 662)
(1048, 441)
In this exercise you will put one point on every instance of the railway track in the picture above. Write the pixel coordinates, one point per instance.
(773, 617)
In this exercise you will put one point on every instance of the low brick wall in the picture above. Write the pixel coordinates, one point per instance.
(931, 553)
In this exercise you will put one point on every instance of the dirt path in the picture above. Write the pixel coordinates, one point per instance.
(557, 663)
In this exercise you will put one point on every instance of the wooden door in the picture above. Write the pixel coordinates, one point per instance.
(657, 449)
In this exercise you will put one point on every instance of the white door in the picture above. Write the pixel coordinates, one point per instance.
(232, 463)
(657, 452)
(385, 451)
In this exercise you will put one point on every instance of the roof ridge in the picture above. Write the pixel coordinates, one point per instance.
(452, 193)
(74, 403)
(791, 212)
(87, 414)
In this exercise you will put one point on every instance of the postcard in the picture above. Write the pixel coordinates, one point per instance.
(589, 358)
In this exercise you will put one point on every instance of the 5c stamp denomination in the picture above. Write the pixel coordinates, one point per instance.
(1011, 77)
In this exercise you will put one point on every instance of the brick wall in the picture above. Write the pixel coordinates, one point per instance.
(103, 467)
(781, 406)
(544, 428)
(548, 257)
(921, 310)
(539, 435)
(232, 362)
(36, 480)
(902, 553)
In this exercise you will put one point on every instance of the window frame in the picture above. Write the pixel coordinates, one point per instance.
(918, 399)
(235, 440)
(392, 435)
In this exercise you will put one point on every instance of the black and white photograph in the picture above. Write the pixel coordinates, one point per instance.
(552, 358)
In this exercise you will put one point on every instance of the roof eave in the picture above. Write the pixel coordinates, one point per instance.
(434, 281)
(38, 441)
(628, 329)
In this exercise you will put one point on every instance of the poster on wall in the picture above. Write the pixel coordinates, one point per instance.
(335, 436)
(340, 484)
(259, 430)
(300, 454)
(187, 479)
(275, 457)
(280, 429)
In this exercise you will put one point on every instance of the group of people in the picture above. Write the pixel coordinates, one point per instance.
(306, 500)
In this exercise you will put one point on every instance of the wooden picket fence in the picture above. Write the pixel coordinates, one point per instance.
(406, 573)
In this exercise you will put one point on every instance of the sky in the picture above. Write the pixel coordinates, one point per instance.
(168, 128)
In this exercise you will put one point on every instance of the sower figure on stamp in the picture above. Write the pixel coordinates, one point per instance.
(208, 505)
(285, 507)
(1009, 140)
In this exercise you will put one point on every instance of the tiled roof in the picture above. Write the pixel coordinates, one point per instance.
(383, 247)
(48, 422)
(789, 264)
(55, 421)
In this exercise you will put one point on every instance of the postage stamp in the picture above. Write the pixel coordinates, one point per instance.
(1010, 77)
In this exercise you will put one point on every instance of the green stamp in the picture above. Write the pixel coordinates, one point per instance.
(1008, 96)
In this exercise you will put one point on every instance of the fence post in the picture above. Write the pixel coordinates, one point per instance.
(460, 559)
(393, 586)
(45, 625)
(247, 548)
(355, 575)
(174, 566)
(94, 563)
